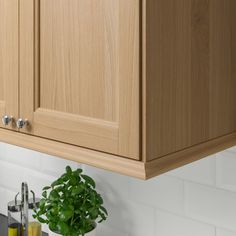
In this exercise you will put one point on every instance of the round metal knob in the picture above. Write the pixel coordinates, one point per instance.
(21, 123)
(6, 120)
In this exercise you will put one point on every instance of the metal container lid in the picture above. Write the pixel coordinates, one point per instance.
(34, 203)
(14, 206)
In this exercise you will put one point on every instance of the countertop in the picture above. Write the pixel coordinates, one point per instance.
(3, 226)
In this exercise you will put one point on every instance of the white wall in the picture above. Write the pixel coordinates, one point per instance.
(196, 200)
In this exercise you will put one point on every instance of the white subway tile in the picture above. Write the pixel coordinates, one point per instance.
(11, 176)
(210, 205)
(202, 171)
(128, 216)
(232, 149)
(163, 192)
(104, 230)
(5, 197)
(223, 232)
(3, 201)
(141, 220)
(22, 156)
(171, 225)
(109, 182)
(2, 151)
(55, 166)
(225, 170)
(37, 181)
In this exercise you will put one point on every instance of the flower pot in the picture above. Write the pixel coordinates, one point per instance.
(91, 233)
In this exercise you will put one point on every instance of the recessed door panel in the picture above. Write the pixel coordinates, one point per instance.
(79, 53)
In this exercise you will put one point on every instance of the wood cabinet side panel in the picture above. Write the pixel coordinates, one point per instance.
(222, 83)
(175, 160)
(190, 73)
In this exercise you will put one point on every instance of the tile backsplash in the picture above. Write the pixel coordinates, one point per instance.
(196, 200)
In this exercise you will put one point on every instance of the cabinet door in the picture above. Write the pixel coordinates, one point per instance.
(8, 59)
(80, 72)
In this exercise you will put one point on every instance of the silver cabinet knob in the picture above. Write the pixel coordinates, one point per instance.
(21, 123)
(6, 120)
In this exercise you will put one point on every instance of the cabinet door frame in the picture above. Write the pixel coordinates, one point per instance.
(10, 56)
(120, 138)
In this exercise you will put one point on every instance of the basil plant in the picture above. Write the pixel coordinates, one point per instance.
(71, 206)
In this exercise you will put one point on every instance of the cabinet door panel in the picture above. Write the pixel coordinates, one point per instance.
(85, 76)
(8, 59)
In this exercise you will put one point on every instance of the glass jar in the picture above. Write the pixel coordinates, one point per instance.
(34, 227)
(14, 218)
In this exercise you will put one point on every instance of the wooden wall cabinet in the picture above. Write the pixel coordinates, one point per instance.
(137, 87)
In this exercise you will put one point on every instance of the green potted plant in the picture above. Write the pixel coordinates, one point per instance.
(71, 206)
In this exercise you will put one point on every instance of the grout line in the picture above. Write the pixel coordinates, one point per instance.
(211, 187)
(215, 171)
(225, 229)
(191, 181)
(187, 217)
(184, 199)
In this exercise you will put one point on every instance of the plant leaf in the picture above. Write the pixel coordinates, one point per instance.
(77, 190)
(89, 180)
(44, 194)
(52, 226)
(73, 180)
(65, 215)
(57, 182)
(104, 210)
(94, 213)
(63, 228)
(78, 172)
(46, 188)
(41, 220)
(42, 203)
(54, 195)
(68, 170)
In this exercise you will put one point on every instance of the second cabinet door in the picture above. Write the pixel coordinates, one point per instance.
(80, 72)
(8, 60)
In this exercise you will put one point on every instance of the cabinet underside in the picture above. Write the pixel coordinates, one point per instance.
(138, 169)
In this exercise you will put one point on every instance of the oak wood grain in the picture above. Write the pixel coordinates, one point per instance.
(71, 152)
(175, 160)
(116, 163)
(83, 61)
(2, 107)
(79, 70)
(190, 73)
(105, 133)
(9, 59)
(222, 68)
